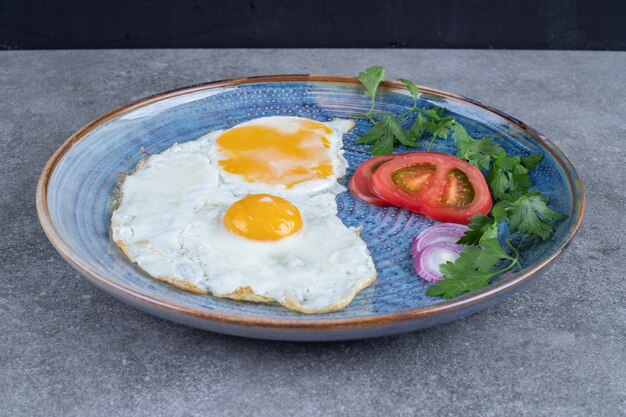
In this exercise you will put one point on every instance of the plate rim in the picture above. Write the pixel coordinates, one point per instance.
(446, 306)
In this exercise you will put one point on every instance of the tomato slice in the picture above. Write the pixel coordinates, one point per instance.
(437, 185)
(360, 183)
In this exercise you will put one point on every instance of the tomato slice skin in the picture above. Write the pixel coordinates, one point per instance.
(360, 183)
(444, 195)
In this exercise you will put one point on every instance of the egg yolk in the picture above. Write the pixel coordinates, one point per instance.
(286, 155)
(263, 217)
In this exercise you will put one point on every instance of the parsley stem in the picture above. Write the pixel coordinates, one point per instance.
(369, 114)
(371, 111)
(432, 141)
(515, 251)
(412, 109)
(514, 261)
(503, 270)
(372, 106)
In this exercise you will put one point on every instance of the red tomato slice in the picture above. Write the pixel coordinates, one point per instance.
(360, 183)
(437, 185)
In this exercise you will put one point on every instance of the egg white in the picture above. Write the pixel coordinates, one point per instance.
(170, 223)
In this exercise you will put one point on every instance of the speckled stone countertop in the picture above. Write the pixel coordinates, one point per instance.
(556, 348)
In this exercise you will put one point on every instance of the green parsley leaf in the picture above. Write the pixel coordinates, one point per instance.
(439, 128)
(491, 232)
(383, 146)
(490, 254)
(480, 229)
(373, 133)
(531, 161)
(434, 113)
(413, 89)
(498, 211)
(530, 215)
(412, 140)
(459, 134)
(399, 133)
(450, 288)
(508, 176)
(475, 259)
(383, 136)
(478, 152)
(423, 124)
(498, 182)
(418, 128)
(467, 266)
(371, 79)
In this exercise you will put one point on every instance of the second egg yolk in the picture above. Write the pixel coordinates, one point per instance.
(263, 217)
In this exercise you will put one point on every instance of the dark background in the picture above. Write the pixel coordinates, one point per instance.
(530, 24)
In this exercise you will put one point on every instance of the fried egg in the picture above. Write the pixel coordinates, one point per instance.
(281, 153)
(248, 213)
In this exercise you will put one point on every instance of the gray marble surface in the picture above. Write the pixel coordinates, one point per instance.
(557, 348)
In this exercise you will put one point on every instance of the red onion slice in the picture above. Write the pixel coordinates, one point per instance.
(428, 261)
(438, 232)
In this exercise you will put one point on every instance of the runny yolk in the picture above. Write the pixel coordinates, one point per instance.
(273, 155)
(263, 217)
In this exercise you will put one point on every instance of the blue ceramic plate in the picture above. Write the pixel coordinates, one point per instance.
(74, 204)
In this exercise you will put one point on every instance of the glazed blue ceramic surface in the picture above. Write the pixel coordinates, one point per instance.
(75, 205)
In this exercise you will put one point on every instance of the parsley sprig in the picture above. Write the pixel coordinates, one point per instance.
(387, 131)
(474, 268)
(517, 208)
